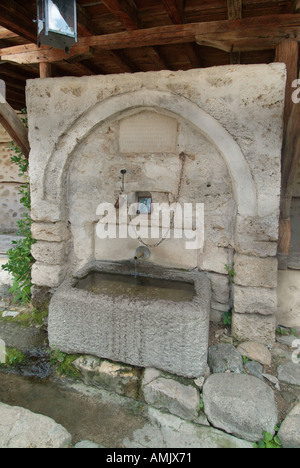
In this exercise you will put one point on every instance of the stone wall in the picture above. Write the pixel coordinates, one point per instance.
(228, 123)
(10, 208)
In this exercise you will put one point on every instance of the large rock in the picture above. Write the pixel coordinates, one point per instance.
(240, 404)
(289, 373)
(170, 395)
(256, 352)
(289, 432)
(224, 357)
(168, 431)
(20, 428)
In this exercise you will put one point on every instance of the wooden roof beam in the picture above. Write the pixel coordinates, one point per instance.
(127, 14)
(6, 34)
(295, 6)
(235, 12)
(235, 9)
(14, 127)
(174, 10)
(176, 15)
(15, 18)
(247, 34)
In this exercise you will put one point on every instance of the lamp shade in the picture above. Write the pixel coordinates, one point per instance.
(57, 23)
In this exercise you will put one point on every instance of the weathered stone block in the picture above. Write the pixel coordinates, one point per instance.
(148, 132)
(214, 259)
(256, 236)
(246, 327)
(47, 275)
(256, 352)
(173, 396)
(288, 291)
(255, 272)
(220, 287)
(254, 300)
(114, 377)
(52, 253)
(168, 335)
(50, 232)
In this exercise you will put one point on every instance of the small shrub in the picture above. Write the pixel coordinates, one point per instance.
(14, 358)
(20, 260)
(269, 441)
(63, 363)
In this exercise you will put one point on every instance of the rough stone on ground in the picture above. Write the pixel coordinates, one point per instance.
(87, 444)
(169, 431)
(224, 357)
(20, 428)
(240, 404)
(172, 396)
(256, 352)
(289, 432)
(289, 373)
(255, 369)
(119, 378)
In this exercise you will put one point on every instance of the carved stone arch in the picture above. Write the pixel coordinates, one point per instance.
(111, 108)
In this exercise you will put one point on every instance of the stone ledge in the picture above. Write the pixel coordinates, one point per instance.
(255, 271)
(261, 301)
(254, 327)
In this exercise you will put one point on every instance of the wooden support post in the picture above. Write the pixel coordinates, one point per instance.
(290, 161)
(14, 127)
(287, 52)
(45, 70)
(235, 12)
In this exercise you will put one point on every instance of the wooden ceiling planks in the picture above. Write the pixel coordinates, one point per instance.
(117, 36)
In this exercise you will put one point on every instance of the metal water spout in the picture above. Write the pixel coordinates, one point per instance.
(142, 253)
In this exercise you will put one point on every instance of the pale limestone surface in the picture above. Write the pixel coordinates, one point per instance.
(226, 120)
(11, 209)
(288, 290)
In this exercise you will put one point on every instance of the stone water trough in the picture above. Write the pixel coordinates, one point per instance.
(158, 319)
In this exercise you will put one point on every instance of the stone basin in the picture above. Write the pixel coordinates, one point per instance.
(159, 319)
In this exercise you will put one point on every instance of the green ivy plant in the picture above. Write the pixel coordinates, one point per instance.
(20, 260)
(269, 441)
(231, 272)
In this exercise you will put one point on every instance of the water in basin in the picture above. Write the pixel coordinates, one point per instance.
(137, 287)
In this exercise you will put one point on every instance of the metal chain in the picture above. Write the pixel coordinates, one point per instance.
(182, 157)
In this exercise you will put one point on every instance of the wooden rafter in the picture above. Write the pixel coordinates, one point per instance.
(128, 16)
(235, 9)
(174, 10)
(14, 17)
(295, 6)
(235, 12)
(176, 15)
(14, 127)
(258, 33)
(125, 12)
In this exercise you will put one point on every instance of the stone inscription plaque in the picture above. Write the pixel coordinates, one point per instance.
(148, 132)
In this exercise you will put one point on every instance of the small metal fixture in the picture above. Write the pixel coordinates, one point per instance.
(123, 172)
(142, 253)
(57, 23)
